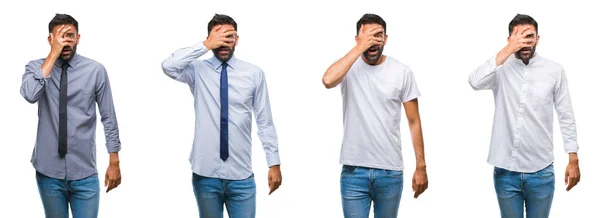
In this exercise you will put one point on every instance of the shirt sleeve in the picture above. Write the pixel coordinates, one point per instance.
(33, 83)
(266, 129)
(178, 65)
(409, 87)
(564, 111)
(484, 77)
(107, 111)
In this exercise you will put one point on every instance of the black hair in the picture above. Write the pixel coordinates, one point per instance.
(62, 19)
(370, 19)
(522, 19)
(220, 19)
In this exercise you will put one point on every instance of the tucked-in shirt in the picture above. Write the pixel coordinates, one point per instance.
(372, 98)
(87, 85)
(247, 94)
(524, 96)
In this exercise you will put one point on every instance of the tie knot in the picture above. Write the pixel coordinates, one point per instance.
(65, 65)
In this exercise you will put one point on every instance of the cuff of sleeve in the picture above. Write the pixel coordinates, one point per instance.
(571, 148)
(113, 148)
(43, 80)
(492, 63)
(273, 160)
(199, 47)
(411, 97)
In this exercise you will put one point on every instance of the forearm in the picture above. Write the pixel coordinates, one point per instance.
(418, 144)
(114, 159)
(33, 83)
(336, 72)
(48, 64)
(173, 65)
(503, 55)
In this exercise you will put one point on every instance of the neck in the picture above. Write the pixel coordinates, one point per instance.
(378, 62)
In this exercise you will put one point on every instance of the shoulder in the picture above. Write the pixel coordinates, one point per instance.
(396, 66)
(250, 68)
(551, 64)
(90, 63)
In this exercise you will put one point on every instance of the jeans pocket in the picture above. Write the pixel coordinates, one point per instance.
(394, 173)
(546, 173)
(348, 171)
(499, 172)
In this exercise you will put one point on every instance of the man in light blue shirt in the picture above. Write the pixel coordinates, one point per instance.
(67, 87)
(226, 92)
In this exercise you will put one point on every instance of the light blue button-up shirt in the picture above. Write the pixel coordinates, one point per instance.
(88, 86)
(247, 94)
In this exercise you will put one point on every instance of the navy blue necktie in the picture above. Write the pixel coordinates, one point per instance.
(62, 112)
(224, 116)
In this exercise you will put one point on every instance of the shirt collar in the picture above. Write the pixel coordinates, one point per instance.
(216, 63)
(72, 63)
(534, 59)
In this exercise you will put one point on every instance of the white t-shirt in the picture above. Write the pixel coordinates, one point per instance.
(372, 98)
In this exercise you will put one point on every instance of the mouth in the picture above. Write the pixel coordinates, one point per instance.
(66, 51)
(224, 51)
(525, 52)
(373, 50)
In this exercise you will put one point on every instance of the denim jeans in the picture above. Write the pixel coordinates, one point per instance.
(83, 196)
(360, 186)
(238, 196)
(532, 191)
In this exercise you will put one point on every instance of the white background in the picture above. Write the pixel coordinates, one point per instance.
(294, 43)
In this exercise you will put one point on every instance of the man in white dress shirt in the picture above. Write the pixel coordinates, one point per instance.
(526, 87)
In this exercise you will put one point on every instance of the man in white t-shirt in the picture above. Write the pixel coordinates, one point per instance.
(374, 87)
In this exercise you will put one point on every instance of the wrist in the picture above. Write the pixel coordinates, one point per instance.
(573, 159)
(421, 166)
(207, 45)
(114, 159)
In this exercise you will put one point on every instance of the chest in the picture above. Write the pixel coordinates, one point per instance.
(241, 87)
(379, 85)
(530, 84)
(81, 85)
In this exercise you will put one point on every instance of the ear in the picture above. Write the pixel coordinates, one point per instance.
(385, 39)
(237, 39)
(78, 37)
(537, 39)
(50, 38)
(356, 39)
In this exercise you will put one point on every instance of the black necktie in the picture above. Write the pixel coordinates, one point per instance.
(224, 97)
(62, 112)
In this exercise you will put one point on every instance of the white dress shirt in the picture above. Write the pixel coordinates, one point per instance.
(524, 97)
(248, 93)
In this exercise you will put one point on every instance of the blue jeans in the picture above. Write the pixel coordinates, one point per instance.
(83, 196)
(360, 186)
(534, 190)
(239, 196)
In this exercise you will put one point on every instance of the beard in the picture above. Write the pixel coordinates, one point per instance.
(525, 54)
(223, 53)
(71, 52)
(373, 58)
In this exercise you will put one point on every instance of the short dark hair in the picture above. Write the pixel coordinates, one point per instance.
(522, 19)
(220, 19)
(370, 19)
(62, 19)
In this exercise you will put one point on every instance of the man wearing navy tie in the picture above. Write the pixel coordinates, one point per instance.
(226, 92)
